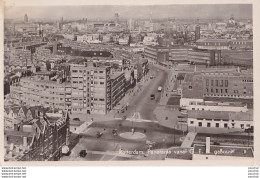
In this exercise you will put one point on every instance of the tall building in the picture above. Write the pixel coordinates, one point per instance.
(116, 18)
(25, 18)
(197, 32)
(90, 89)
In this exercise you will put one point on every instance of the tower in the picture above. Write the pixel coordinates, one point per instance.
(25, 18)
(197, 32)
(116, 18)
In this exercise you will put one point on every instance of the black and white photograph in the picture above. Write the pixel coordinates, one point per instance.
(128, 83)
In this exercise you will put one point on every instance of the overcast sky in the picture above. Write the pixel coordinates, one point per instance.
(107, 11)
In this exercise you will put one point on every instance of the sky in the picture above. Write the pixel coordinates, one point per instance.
(206, 11)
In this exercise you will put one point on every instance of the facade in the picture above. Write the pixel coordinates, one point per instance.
(118, 88)
(36, 135)
(156, 54)
(197, 32)
(234, 84)
(224, 121)
(39, 90)
(224, 44)
(90, 89)
(200, 104)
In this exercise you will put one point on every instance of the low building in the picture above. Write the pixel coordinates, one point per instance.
(219, 121)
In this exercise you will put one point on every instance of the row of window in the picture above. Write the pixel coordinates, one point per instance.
(81, 71)
(217, 83)
(217, 90)
(217, 125)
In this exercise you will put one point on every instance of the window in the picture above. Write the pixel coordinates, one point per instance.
(208, 124)
(233, 125)
(101, 72)
(200, 124)
(221, 83)
(207, 82)
(191, 122)
(216, 82)
(217, 124)
(212, 82)
(207, 90)
(216, 90)
(226, 90)
(225, 125)
(242, 126)
(226, 83)
(221, 90)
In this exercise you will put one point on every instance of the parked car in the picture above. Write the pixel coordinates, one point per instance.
(99, 134)
(152, 96)
(76, 119)
(83, 153)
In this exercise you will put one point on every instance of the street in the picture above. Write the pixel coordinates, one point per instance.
(141, 101)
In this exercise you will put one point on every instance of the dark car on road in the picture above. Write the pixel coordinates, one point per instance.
(99, 134)
(152, 96)
(83, 153)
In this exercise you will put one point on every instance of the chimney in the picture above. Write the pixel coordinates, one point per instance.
(24, 141)
(207, 145)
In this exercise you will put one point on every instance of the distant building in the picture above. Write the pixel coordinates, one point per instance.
(224, 44)
(25, 19)
(157, 54)
(197, 32)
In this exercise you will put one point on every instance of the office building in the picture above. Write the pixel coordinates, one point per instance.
(90, 88)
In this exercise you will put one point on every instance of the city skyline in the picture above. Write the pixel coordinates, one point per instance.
(202, 11)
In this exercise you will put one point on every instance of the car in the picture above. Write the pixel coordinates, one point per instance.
(76, 119)
(83, 153)
(99, 134)
(151, 77)
(114, 132)
(152, 96)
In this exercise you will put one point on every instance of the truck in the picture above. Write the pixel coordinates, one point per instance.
(159, 89)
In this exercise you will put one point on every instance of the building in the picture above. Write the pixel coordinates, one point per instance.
(36, 134)
(228, 84)
(157, 54)
(209, 57)
(222, 85)
(203, 121)
(25, 19)
(90, 89)
(197, 32)
(118, 88)
(41, 91)
(224, 44)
